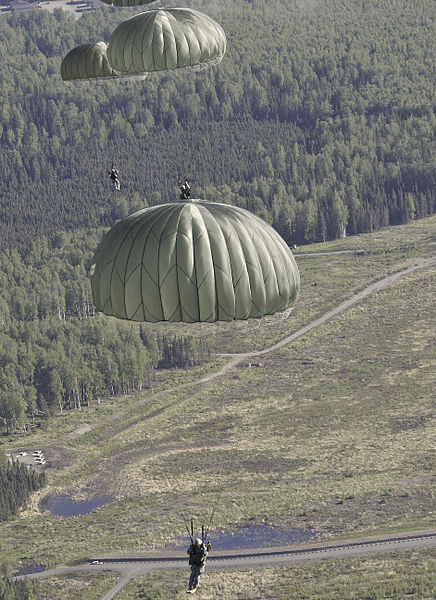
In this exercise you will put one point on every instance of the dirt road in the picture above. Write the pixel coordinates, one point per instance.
(131, 566)
(375, 287)
(235, 359)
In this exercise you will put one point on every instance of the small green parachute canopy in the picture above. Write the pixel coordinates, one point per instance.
(87, 62)
(193, 261)
(163, 39)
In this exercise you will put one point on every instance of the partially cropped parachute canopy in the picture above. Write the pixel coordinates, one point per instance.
(164, 39)
(87, 62)
(193, 261)
(128, 2)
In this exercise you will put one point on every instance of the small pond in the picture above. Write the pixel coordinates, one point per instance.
(30, 569)
(64, 506)
(256, 536)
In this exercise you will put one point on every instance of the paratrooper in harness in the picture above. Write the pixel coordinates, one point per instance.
(198, 552)
(185, 189)
(113, 174)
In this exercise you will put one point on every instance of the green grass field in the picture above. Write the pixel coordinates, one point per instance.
(74, 588)
(395, 576)
(398, 576)
(333, 431)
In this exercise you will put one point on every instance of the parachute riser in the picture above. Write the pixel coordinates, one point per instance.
(204, 532)
(189, 533)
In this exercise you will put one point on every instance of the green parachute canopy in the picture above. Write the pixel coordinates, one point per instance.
(87, 62)
(193, 261)
(163, 39)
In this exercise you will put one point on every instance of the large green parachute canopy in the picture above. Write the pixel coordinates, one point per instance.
(164, 39)
(193, 261)
(87, 62)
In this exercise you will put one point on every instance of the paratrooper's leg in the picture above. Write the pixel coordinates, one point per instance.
(192, 578)
(193, 581)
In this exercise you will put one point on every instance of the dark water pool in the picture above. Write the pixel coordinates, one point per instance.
(256, 536)
(30, 569)
(64, 506)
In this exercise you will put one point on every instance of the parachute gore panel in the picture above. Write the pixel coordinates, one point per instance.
(193, 261)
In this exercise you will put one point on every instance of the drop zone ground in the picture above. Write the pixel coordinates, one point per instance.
(332, 431)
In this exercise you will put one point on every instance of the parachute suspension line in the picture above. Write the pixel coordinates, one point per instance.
(181, 514)
(202, 398)
(188, 522)
(283, 316)
(212, 515)
(204, 529)
(189, 533)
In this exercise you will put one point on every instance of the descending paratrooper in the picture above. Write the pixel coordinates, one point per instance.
(185, 189)
(113, 175)
(198, 551)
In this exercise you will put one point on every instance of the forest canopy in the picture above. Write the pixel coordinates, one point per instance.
(320, 119)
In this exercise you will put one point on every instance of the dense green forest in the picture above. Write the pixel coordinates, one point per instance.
(16, 590)
(320, 119)
(17, 482)
(53, 355)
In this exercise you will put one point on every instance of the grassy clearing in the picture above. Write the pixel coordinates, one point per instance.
(65, 428)
(328, 280)
(419, 233)
(393, 576)
(333, 432)
(91, 587)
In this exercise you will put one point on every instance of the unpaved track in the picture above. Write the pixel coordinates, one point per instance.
(235, 359)
(306, 254)
(375, 287)
(130, 566)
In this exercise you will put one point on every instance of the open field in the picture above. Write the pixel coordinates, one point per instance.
(401, 575)
(332, 432)
(74, 588)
